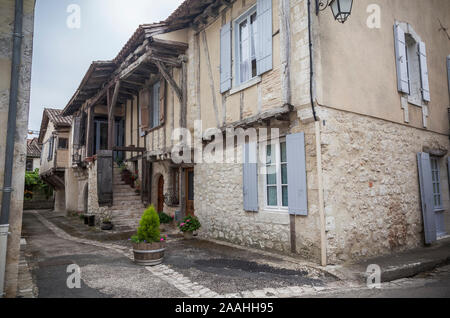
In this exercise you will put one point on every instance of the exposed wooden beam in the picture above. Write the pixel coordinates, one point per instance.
(170, 80)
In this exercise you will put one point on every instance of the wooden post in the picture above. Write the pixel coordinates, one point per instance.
(90, 131)
(111, 109)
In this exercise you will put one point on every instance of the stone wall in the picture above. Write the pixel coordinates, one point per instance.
(15, 221)
(372, 196)
(93, 207)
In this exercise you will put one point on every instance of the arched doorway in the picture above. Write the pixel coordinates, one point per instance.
(160, 194)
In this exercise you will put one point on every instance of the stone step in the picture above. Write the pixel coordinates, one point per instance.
(124, 194)
(121, 197)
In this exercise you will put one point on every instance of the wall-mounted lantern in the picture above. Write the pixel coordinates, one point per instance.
(341, 8)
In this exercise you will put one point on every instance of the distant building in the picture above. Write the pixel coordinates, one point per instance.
(54, 138)
(33, 155)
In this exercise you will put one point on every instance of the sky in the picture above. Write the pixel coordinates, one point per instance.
(62, 52)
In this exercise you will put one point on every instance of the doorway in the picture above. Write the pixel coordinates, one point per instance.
(160, 194)
(190, 191)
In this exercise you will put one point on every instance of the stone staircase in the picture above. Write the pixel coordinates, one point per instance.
(127, 208)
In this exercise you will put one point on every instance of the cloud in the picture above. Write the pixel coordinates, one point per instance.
(62, 56)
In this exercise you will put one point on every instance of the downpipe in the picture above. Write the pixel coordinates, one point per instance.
(10, 140)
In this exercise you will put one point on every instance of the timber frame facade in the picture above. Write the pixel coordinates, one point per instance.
(217, 65)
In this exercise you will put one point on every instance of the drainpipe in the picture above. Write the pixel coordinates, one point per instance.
(323, 235)
(10, 138)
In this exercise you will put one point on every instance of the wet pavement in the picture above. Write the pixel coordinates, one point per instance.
(199, 265)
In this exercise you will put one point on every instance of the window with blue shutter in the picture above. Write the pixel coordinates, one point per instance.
(225, 58)
(250, 177)
(253, 42)
(296, 170)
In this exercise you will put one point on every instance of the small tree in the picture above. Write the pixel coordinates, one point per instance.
(148, 231)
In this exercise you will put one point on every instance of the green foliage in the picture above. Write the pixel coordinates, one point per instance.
(34, 184)
(164, 218)
(148, 231)
(190, 224)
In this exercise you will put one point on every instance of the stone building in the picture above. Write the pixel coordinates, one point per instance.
(16, 36)
(54, 138)
(345, 117)
(33, 155)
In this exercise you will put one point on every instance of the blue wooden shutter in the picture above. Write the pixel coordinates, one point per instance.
(250, 178)
(225, 58)
(426, 192)
(401, 59)
(264, 36)
(424, 71)
(296, 165)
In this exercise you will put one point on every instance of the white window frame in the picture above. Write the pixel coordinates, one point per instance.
(436, 181)
(414, 98)
(237, 67)
(279, 207)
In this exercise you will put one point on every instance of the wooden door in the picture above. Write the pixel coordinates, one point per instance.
(160, 194)
(189, 191)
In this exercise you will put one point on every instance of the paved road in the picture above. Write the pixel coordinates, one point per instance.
(102, 270)
(434, 284)
(191, 269)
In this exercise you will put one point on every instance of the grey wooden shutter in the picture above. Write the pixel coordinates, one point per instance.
(426, 192)
(296, 166)
(401, 59)
(76, 132)
(424, 71)
(105, 177)
(225, 58)
(264, 36)
(250, 178)
(162, 101)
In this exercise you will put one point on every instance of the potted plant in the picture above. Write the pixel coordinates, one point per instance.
(91, 220)
(164, 220)
(106, 220)
(148, 245)
(138, 187)
(134, 177)
(188, 225)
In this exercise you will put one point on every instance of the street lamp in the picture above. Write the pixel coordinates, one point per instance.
(341, 8)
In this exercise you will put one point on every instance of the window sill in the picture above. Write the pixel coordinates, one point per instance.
(243, 86)
(153, 129)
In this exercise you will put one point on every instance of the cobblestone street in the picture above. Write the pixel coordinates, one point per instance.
(191, 269)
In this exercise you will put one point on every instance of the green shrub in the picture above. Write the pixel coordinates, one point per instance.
(190, 224)
(148, 231)
(164, 218)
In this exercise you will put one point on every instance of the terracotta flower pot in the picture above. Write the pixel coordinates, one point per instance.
(188, 235)
(149, 254)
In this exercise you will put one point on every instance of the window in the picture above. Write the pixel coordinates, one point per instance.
(436, 178)
(246, 37)
(412, 68)
(276, 179)
(63, 143)
(29, 165)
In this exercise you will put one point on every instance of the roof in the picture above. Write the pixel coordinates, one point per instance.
(54, 116)
(33, 148)
(100, 72)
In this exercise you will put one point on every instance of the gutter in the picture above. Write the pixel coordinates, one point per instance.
(323, 235)
(10, 138)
